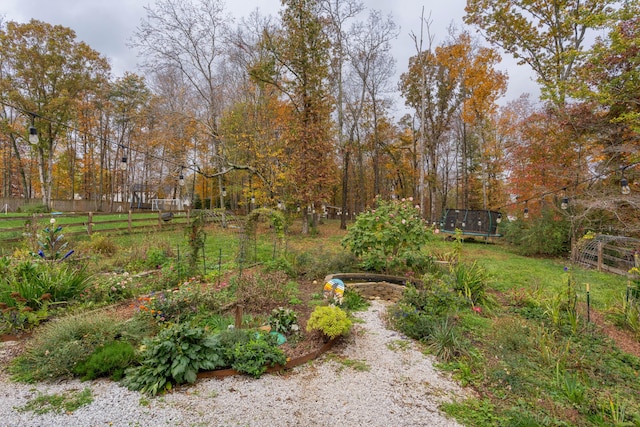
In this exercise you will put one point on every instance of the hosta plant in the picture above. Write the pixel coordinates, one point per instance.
(174, 356)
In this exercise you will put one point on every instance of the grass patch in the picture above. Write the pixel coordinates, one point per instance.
(356, 365)
(66, 402)
(399, 345)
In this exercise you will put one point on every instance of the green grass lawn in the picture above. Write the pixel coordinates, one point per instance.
(510, 271)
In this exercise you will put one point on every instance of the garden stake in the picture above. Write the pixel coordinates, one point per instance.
(179, 273)
(588, 305)
(626, 307)
(204, 260)
(219, 266)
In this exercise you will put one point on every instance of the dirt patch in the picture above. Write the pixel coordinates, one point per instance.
(623, 339)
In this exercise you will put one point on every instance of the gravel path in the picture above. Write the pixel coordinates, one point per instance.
(400, 388)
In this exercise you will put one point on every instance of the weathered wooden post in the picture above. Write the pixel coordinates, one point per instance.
(90, 223)
(600, 247)
(239, 309)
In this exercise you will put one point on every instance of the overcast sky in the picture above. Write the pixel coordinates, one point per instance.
(107, 25)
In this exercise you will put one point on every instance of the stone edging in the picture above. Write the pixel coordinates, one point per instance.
(372, 277)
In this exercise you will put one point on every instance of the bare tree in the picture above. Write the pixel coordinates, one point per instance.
(339, 12)
(188, 35)
(371, 69)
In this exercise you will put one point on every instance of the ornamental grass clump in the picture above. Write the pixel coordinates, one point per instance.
(330, 321)
(60, 346)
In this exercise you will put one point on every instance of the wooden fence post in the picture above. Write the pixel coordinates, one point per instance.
(159, 219)
(600, 246)
(90, 223)
(129, 221)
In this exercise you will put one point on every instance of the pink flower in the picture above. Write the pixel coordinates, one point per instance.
(404, 221)
(411, 199)
(477, 309)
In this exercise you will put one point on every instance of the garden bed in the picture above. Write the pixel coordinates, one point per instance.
(292, 363)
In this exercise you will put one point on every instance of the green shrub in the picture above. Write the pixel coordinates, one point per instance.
(330, 321)
(315, 264)
(59, 346)
(230, 339)
(546, 234)
(436, 298)
(174, 356)
(156, 257)
(411, 322)
(253, 357)
(421, 310)
(283, 320)
(353, 301)
(387, 237)
(281, 264)
(100, 244)
(109, 288)
(34, 208)
(421, 263)
(109, 360)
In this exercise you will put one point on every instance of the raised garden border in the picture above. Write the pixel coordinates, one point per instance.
(221, 373)
(373, 277)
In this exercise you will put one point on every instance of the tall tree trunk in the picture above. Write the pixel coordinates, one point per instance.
(345, 187)
(305, 220)
(23, 176)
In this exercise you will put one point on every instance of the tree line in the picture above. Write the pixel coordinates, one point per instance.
(297, 111)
